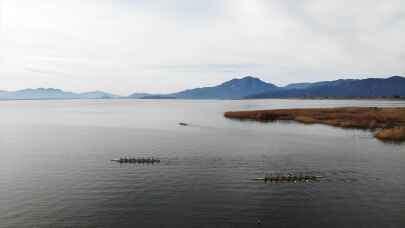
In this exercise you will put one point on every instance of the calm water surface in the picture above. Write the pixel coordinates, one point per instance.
(55, 168)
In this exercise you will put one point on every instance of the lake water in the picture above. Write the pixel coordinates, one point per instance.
(55, 168)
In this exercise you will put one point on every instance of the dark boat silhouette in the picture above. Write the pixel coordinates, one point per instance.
(136, 160)
(288, 178)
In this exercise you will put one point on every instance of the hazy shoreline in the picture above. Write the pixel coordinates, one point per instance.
(147, 98)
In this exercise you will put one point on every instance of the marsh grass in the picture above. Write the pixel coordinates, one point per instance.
(391, 134)
(389, 123)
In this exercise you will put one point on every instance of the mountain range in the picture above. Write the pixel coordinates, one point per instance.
(370, 87)
(233, 89)
(52, 94)
(244, 88)
(251, 88)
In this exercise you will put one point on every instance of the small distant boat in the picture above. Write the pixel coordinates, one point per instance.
(183, 124)
(136, 160)
(287, 178)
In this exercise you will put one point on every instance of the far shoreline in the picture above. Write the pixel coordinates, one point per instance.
(212, 99)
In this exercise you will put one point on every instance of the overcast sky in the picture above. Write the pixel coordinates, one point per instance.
(126, 46)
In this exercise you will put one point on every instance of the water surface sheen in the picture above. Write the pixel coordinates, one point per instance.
(55, 169)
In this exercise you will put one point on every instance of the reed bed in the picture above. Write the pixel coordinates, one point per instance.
(388, 124)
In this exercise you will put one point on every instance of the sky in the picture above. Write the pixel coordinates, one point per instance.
(158, 46)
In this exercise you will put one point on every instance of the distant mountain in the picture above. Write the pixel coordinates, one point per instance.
(158, 97)
(51, 94)
(138, 95)
(298, 85)
(233, 89)
(97, 95)
(149, 96)
(371, 87)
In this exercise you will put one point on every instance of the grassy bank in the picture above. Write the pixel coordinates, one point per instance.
(388, 124)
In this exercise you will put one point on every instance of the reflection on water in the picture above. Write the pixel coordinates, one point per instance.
(56, 171)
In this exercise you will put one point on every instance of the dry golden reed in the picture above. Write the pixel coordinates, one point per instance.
(388, 122)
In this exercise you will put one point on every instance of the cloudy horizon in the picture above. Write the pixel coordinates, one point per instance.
(126, 46)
